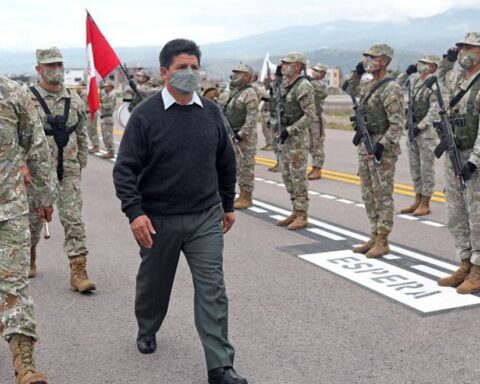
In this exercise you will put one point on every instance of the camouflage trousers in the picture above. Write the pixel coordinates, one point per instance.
(317, 143)
(92, 130)
(465, 228)
(107, 133)
(16, 309)
(293, 161)
(422, 162)
(267, 128)
(378, 201)
(246, 161)
(69, 205)
(272, 122)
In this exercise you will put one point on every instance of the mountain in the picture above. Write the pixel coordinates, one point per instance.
(338, 43)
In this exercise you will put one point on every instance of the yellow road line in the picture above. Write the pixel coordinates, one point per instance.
(402, 189)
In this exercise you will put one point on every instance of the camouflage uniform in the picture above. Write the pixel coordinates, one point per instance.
(21, 137)
(299, 114)
(386, 108)
(317, 130)
(465, 228)
(241, 112)
(91, 124)
(426, 108)
(107, 108)
(145, 90)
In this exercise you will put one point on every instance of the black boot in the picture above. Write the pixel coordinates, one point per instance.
(146, 344)
(226, 375)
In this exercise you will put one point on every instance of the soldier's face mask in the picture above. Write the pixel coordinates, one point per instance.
(370, 64)
(237, 80)
(185, 80)
(53, 73)
(468, 59)
(423, 68)
(287, 70)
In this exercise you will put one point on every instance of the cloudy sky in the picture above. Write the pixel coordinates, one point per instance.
(28, 24)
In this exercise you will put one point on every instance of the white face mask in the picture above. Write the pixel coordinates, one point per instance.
(423, 68)
(369, 64)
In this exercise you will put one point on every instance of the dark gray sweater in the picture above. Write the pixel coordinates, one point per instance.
(174, 161)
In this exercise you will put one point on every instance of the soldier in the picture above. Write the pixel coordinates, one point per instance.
(463, 217)
(382, 100)
(420, 152)
(241, 111)
(21, 137)
(317, 131)
(272, 115)
(144, 88)
(107, 108)
(64, 122)
(91, 123)
(298, 114)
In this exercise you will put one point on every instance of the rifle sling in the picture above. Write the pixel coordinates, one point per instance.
(375, 87)
(456, 99)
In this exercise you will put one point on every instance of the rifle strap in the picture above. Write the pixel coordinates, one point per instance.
(289, 87)
(43, 104)
(374, 89)
(235, 94)
(419, 89)
(456, 99)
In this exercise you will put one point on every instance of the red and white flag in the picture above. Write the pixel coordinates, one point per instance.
(102, 60)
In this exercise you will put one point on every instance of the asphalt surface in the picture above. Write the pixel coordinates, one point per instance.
(291, 321)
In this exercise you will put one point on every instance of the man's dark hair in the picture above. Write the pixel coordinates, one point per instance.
(177, 47)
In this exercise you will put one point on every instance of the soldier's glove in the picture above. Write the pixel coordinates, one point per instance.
(360, 69)
(237, 136)
(416, 131)
(452, 54)
(412, 68)
(378, 151)
(345, 86)
(468, 170)
(283, 136)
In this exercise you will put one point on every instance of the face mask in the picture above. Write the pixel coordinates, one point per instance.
(185, 81)
(369, 64)
(54, 76)
(287, 70)
(423, 68)
(467, 60)
(236, 80)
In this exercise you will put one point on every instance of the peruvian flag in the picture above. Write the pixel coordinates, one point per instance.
(102, 60)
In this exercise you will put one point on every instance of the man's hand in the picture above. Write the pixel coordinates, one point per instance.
(228, 221)
(412, 68)
(142, 229)
(46, 213)
(360, 69)
(283, 136)
(26, 175)
(468, 170)
(452, 54)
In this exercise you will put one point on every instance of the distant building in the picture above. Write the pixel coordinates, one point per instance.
(74, 76)
(333, 77)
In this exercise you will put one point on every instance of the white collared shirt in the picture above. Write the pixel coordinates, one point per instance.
(169, 100)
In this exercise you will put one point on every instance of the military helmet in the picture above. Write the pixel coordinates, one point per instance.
(295, 57)
(319, 67)
(244, 68)
(143, 73)
(471, 38)
(430, 59)
(49, 55)
(380, 50)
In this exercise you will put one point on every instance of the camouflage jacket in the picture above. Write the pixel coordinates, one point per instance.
(423, 94)
(248, 100)
(304, 93)
(107, 106)
(145, 90)
(84, 97)
(321, 94)
(22, 140)
(449, 77)
(463, 83)
(75, 153)
(390, 98)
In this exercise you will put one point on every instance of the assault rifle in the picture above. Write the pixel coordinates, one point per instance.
(230, 131)
(362, 131)
(448, 142)
(279, 107)
(410, 124)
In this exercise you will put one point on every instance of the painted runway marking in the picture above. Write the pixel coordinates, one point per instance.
(329, 235)
(408, 217)
(257, 210)
(329, 197)
(433, 223)
(345, 201)
(430, 271)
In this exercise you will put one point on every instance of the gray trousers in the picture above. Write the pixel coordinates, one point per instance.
(200, 237)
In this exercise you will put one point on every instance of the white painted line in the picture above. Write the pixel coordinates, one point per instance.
(357, 236)
(360, 205)
(408, 217)
(259, 179)
(433, 223)
(430, 271)
(329, 197)
(404, 286)
(257, 210)
(278, 217)
(345, 201)
(270, 182)
(314, 193)
(326, 234)
(391, 257)
(281, 185)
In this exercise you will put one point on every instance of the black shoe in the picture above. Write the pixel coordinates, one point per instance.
(226, 375)
(146, 344)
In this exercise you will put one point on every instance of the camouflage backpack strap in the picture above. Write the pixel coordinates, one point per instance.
(374, 89)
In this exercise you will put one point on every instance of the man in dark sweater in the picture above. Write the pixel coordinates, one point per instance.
(175, 176)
